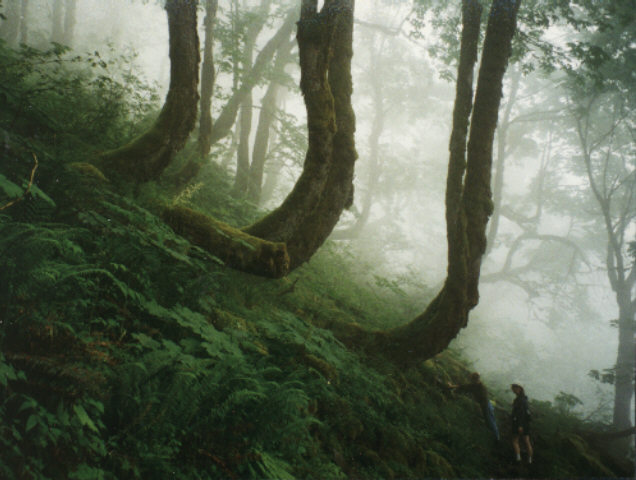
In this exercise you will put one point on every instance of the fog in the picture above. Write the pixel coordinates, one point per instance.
(545, 313)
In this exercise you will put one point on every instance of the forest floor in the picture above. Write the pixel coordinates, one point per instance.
(126, 352)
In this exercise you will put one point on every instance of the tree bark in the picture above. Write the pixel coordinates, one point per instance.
(621, 276)
(377, 127)
(146, 157)
(245, 130)
(325, 43)
(337, 193)
(468, 196)
(624, 380)
(237, 249)
(319, 37)
(502, 136)
(243, 150)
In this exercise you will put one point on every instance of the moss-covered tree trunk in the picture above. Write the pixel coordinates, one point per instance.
(237, 249)
(208, 77)
(325, 50)
(377, 127)
(468, 195)
(310, 212)
(338, 191)
(146, 157)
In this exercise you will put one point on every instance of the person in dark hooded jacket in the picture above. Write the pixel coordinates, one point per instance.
(520, 422)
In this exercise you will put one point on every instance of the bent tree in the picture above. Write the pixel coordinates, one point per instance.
(468, 193)
(146, 157)
(290, 234)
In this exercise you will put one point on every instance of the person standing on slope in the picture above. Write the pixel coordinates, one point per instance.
(479, 392)
(520, 421)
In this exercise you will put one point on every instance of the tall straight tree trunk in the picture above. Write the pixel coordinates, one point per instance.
(207, 79)
(502, 137)
(146, 157)
(247, 106)
(226, 119)
(468, 194)
(243, 150)
(70, 19)
(621, 276)
(265, 121)
(624, 383)
(24, 22)
(245, 125)
(208, 76)
(11, 25)
(57, 34)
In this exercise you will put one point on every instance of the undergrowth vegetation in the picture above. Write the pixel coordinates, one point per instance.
(126, 352)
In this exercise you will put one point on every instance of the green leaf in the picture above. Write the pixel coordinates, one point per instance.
(84, 418)
(28, 403)
(31, 422)
(36, 192)
(9, 188)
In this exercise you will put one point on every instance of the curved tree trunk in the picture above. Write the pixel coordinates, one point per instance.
(377, 127)
(338, 191)
(146, 157)
(324, 42)
(468, 200)
(237, 249)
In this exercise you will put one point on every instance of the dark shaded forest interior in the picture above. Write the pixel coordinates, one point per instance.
(277, 259)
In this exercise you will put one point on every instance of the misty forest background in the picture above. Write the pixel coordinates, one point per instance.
(242, 238)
